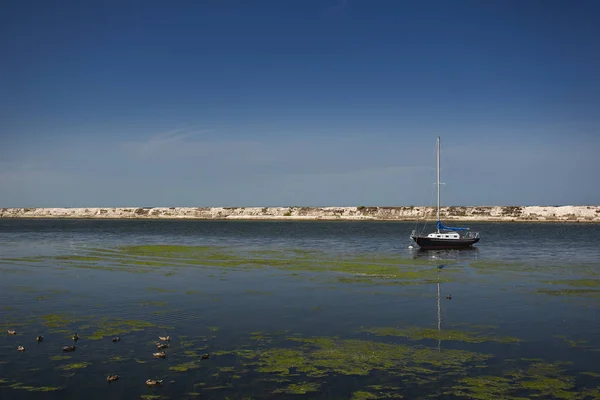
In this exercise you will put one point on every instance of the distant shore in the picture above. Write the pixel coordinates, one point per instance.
(400, 213)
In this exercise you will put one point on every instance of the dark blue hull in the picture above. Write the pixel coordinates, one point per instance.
(428, 243)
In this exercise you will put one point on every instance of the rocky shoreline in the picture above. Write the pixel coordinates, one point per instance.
(401, 213)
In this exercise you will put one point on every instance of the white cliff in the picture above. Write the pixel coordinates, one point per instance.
(407, 213)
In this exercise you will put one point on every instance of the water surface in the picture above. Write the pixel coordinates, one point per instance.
(321, 309)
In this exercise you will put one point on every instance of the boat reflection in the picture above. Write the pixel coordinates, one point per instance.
(439, 308)
(470, 254)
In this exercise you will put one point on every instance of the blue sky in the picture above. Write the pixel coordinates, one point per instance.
(298, 103)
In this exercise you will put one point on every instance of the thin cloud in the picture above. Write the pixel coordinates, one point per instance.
(354, 172)
(158, 141)
(26, 176)
(338, 7)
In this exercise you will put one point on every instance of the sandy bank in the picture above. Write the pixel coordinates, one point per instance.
(464, 213)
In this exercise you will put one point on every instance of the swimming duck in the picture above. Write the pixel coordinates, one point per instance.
(112, 377)
(21, 348)
(449, 297)
(12, 332)
(205, 356)
(162, 345)
(39, 338)
(153, 382)
(116, 339)
(75, 337)
(165, 338)
(69, 348)
(161, 354)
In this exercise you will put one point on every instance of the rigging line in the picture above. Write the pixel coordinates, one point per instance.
(433, 187)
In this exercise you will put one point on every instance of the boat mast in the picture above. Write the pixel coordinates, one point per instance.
(438, 180)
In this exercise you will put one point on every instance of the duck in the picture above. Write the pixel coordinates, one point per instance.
(153, 382)
(205, 356)
(21, 348)
(69, 348)
(449, 297)
(165, 338)
(116, 339)
(162, 345)
(161, 354)
(112, 377)
(12, 332)
(75, 337)
(39, 338)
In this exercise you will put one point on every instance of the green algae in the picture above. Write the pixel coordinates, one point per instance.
(220, 387)
(184, 366)
(571, 292)
(577, 282)
(56, 320)
(573, 343)
(146, 258)
(587, 288)
(592, 374)
(112, 327)
(152, 397)
(21, 386)
(539, 379)
(32, 259)
(18, 271)
(322, 356)
(415, 333)
(299, 388)
(159, 290)
(79, 365)
(164, 249)
(58, 358)
(362, 395)
(153, 303)
(79, 258)
(377, 392)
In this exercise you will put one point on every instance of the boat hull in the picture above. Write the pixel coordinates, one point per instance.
(428, 243)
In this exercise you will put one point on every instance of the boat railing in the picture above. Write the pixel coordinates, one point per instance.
(470, 235)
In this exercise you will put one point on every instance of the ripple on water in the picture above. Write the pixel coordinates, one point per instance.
(494, 285)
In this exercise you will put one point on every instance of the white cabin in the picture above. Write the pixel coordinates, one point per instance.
(444, 235)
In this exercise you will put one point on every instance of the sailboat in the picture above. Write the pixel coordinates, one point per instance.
(444, 237)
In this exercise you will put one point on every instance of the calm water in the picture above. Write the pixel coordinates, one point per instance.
(334, 310)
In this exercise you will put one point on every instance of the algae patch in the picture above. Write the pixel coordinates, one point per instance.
(321, 356)
(79, 365)
(370, 268)
(577, 282)
(571, 292)
(546, 380)
(299, 388)
(414, 333)
(21, 386)
(58, 358)
(160, 290)
(110, 327)
(184, 366)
